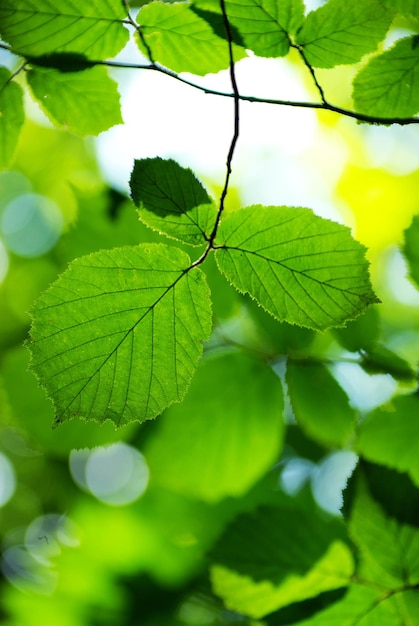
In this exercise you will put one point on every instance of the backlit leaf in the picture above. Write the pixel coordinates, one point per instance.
(264, 26)
(37, 27)
(118, 336)
(411, 248)
(388, 85)
(273, 557)
(181, 40)
(301, 268)
(11, 116)
(85, 102)
(341, 32)
(172, 200)
(320, 405)
(390, 436)
(229, 428)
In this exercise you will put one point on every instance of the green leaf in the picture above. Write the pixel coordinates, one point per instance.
(409, 8)
(360, 334)
(276, 556)
(183, 41)
(411, 248)
(229, 429)
(264, 26)
(390, 436)
(388, 85)
(320, 405)
(118, 336)
(341, 32)
(301, 268)
(12, 116)
(85, 102)
(390, 548)
(63, 61)
(379, 359)
(38, 27)
(171, 200)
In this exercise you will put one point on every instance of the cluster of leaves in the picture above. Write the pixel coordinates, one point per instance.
(119, 335)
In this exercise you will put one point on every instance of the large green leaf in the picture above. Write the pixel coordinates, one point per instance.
(181, 40)
(37, 27)
(264, 26)
(341, 32)
(276, 556)
(301, 268)
(411, 248)
(11, 116)
(390, 435)
(86, 102)
(320, 405)
(172, 200)
(226, 432)
(118, 336)
(389, 85)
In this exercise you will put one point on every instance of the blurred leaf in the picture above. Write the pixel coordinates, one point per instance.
(86, 102)
(411, 249)
(181, 40)
(390, 436)
(225, 434)
(391, 547)
(405, 7)
(62, 61)
(37, 27)
(276, 556)
(263, 25)
(320, 405)
(339, 33)
(299, 278)
(388, 85)
(102, 355)
(12, 116)
(361, 333)
(379, 359)
(172, 200)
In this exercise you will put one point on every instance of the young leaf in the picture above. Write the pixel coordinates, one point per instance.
(341, 32)
(411, 248)
(183, 41)
(301, 268)
(12, 116)
(388, 85)
(172, 200)
(320, 405)
(86, 102)
(276, 556)
(118, 336)
(38, 27)
(390, 436)
(263, 25)
(229, 428)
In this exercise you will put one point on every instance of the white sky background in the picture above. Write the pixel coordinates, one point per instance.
(166, 118)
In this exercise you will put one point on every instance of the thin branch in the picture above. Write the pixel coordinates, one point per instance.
(322, 106)
(312, 73)
(236, 132)
(137, 28)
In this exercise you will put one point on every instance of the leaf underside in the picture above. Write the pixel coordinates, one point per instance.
(119, 335)
(11, 116)
(301, 268)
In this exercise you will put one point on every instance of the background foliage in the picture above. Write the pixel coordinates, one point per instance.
(277, 349)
